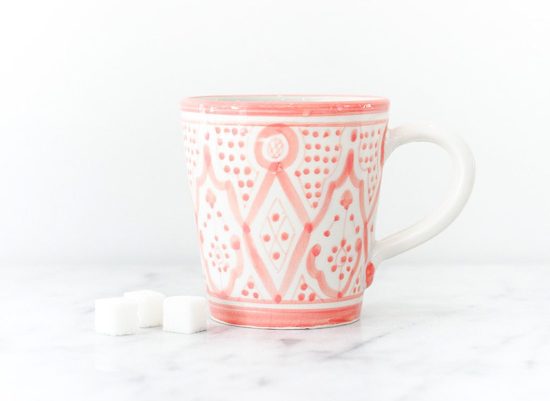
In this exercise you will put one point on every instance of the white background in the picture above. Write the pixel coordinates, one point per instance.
(91, 154)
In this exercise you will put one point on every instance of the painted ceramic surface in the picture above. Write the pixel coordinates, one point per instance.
(285, 190)
(285, 214)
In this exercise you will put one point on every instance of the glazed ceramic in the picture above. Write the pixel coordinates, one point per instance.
(285, 192)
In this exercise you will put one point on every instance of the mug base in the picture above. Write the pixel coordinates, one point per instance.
(284, 319)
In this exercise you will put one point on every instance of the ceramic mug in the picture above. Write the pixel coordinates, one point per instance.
(285, 192)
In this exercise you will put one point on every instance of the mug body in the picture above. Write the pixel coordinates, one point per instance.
(285, 191)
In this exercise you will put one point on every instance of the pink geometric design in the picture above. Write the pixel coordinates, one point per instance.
(341, 245)
(285, 215)
(277, 235)
(344, 234)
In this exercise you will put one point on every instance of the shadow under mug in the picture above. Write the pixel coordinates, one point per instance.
(285, 192)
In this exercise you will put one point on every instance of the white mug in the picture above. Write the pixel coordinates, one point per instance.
(285, 192)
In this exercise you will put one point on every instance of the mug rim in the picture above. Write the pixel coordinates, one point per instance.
(285, 104)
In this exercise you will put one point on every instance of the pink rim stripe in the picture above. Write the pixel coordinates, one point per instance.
(270, 318)
(286, 105)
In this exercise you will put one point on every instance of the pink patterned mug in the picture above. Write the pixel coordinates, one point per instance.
(285, 192)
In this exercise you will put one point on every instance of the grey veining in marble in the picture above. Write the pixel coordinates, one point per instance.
(427, 333)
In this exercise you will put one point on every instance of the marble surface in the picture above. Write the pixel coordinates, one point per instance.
(427, 333)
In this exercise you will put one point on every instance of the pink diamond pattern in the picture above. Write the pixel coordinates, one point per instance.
(277, 235)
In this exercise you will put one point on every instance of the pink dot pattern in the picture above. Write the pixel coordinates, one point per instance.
(219, 243)
(192, 151)
(249, 290)
(233, 164)
(304, 292)
(321, 154)
(370, 148)
(277, 235)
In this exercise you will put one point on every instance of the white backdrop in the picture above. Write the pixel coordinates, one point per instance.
(91, 157)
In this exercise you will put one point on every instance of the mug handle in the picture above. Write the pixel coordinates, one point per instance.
(463, 169)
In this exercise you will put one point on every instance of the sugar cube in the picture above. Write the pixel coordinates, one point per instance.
(185, 314)
(116, 316)
(149, 306)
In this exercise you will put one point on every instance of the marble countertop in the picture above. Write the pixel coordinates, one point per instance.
(427, 333)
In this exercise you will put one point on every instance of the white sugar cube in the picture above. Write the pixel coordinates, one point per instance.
(116, 316)
(185, 314)
(149, 306)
